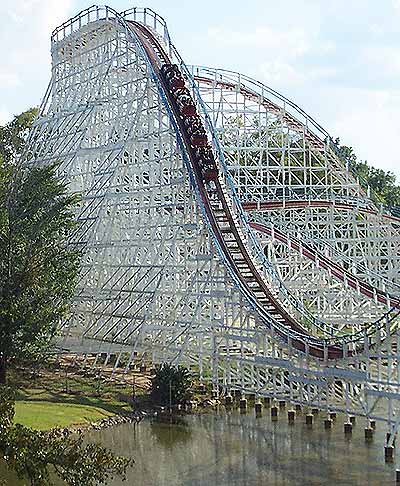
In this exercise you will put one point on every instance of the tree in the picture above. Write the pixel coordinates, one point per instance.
(38, 269)
(171, 385)
(38, 455)
(382, 183)
(13, 135)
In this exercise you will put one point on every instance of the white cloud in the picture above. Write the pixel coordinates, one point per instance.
(5, 116)
(282, 74)
(384, 59)
(8, 80)
(368, 121)
(293, 42)
(25, 49)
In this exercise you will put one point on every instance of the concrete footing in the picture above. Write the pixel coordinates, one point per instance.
(328, 423)
(274, 413)
(348, 428)
(309, 419)
(258, 408)
(267, 401)
(291, 416)
(389, 453)
(243, 404)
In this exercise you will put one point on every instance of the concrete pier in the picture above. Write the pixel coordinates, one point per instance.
(309, 419)
(389, 453)
(243, 404)
(328, 423)
(267, 401)
(348, 428)
(291, 416)
(258, 409)
(274, 413)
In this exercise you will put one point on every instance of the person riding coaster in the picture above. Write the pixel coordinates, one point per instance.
(196, 131)
(206, 161)
(185, 102)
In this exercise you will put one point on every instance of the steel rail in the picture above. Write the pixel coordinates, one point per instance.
(219, 213)
(321, 139)
(316, 203)
(242, 268)
(335, 269)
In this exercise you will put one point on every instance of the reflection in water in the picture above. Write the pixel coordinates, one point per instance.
(231, 449)
(170, 430)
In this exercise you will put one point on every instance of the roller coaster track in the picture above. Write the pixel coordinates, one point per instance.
(173, 271)
(322, 142)
(221, 218)
(334, 268)
(300, 204)
(225, 230)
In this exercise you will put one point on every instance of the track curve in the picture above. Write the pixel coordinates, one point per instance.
(334, 268)
(321, 203)
(225, 230)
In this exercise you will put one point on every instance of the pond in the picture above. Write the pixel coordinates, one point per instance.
(227, 448)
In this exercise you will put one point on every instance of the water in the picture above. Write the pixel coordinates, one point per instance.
(232, 449)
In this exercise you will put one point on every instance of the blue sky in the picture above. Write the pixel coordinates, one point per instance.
(339, 59)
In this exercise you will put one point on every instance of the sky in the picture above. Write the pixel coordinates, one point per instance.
(337, 59)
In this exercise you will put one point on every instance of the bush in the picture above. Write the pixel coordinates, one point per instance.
(171, 385)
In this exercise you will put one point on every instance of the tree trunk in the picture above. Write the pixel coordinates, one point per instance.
(3, 370)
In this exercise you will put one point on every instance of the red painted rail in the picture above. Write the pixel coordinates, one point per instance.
(334, 268)
(219, 213)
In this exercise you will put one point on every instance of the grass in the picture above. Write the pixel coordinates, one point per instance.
(56, 397)
(42, 415)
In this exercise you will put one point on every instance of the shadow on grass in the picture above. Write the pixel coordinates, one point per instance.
(45, 395)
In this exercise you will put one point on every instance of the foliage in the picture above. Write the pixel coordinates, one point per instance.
(383, 184)
(37, 268)
(13, 135)
(171, 385)
(39, 455)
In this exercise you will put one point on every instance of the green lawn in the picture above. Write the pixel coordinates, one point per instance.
(52, 398)
(45, 415)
